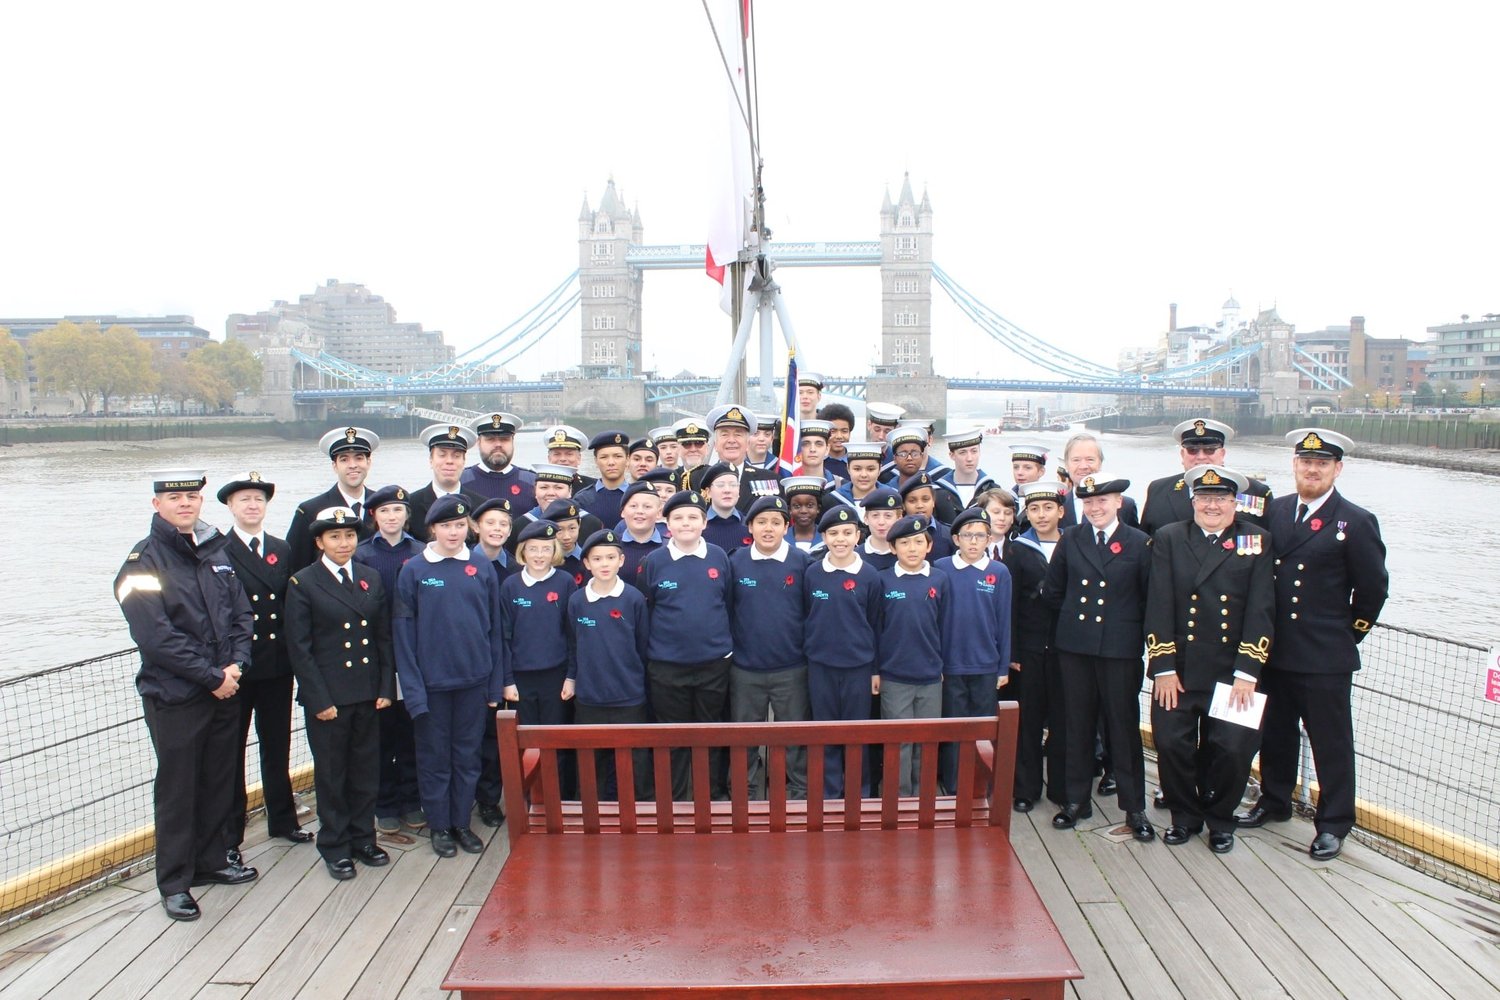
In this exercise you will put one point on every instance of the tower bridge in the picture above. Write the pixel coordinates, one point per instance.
(610, 382)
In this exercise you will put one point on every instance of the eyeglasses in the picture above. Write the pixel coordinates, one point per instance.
(973, 536)
(1213, 498)
(908, 453)
(1200, 449)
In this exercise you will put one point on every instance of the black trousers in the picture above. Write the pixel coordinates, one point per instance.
(688, 692)
(1037, 686)
(1102, 688)
(346, 776)
(194, 788)
(398, 763)
(541, 704)
(270, 701)
(1204, 763)
(966, 695)
(1321, 703)
(605, 774)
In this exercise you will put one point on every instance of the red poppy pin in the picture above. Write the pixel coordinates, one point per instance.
(746, 540)
(364, 585)
(471, 570)
(1229, 543)
(790, 580)
(615, 613)
(578, 579)
(552, 596)
(931, 593)
(848, 584)
(515, 490)
(1316, 524)
(713, 574)
(271, 559)
(989, 578)
(1116, 547)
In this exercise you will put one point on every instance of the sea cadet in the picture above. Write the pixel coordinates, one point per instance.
(495, 475)
(965, 478)
(1037, 680)
(612, 457)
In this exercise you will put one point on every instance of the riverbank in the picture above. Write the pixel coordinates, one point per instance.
(1483, 461)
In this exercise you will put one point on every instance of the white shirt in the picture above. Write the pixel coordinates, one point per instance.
(926, 570)
(430, 553)
(259, 539)
(532, 581)
(336, 569)
(1109, 529)
(438, 491)
(959, 562)
(852, 568)
(351, 501)
(1047, 548)
(1313, 505)
(700, 550)
(615, 591)
(779, 555)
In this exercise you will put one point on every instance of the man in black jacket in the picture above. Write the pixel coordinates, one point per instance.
(1331, 583)
(1083, 455)
(263, 562)
(1096, 583)
(447, 447)
(350, 449)
(1200, 442)
(192, 624)
(1209, 612)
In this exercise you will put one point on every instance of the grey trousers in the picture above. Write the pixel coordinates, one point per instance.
(910, 701)
(784, 693)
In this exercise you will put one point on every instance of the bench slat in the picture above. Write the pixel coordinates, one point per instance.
(890, 784)
(777, 790)
(625, 781)
(661, 762)
(739, 788)
(927, 794)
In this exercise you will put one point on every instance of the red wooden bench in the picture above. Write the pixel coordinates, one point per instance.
(913, 897)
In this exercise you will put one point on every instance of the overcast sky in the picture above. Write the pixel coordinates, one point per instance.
(1088, 163)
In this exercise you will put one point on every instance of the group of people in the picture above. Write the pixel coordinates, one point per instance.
(697, 580)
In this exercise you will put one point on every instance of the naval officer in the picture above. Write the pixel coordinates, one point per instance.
(1331, 583)
(263, 564)
(190, 620)
(1200, 442)
(1209, 609)
(339, 641)
(1083, 456)
(350, 449)
(447, 447)
(731, 425)
(496, 476)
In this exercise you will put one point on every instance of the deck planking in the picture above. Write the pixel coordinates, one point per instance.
(1143, 920)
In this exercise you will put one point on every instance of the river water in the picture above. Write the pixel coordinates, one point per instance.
(70, 513)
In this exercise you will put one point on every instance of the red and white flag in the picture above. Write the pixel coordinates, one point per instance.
(731, 176)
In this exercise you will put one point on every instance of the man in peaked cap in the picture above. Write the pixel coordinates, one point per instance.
(1200, 442)
(350, 449)
(565, 447)
(731, 425)
(1331, 583)
(447, 447)
(1209, 611)
(263, 564)
(881, 419)
(664, 439)
(495, 475)
(192, 624)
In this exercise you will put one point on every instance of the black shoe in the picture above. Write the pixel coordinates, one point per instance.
(298, 836)
(1221, 841)
(1140, 826)
(1326, 847)
(342, 869)
(1176, 835)
(1070, 814)
(1159, 800)
(442, 843)
(181, 906)
(467, 839)
(1260, 816)
(1023, 805)
(230, 875)
(1107, 785)
(371, 855)
(491, 815)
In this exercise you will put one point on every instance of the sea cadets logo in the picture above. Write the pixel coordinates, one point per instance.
(1088, 483)
(255, 477)
(895, 595)
(338, 516)
(549, 531)
(843, 515)
(432, 581)
(820, 595)
(460, 509)
(1199, 428)
(400, 493)
(1248, 545)
(495, 420)
(1312, 442)
(452, 433)
(586, 621)
(745, 581)
(666, 585)
(520, 602)
(350, 435)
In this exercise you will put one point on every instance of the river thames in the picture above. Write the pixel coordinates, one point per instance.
(70, 513)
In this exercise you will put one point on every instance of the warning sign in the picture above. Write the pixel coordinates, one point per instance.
(1492, 676)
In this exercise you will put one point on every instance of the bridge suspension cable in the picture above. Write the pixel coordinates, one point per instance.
(543, 305)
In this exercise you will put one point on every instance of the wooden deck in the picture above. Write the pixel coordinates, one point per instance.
(1143, 921)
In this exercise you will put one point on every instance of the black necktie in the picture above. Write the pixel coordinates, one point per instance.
(344, 578)
(255, 547)
(1301, 512)
(1101, 539)
(355, 507)
(1212, 540)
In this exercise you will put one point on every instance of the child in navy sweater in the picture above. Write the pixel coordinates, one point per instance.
(686, 586)
(882, 507)
(608, 629)
(450, 655)
(770, 664)
(534, 614)
(842, 594)
(912, 600)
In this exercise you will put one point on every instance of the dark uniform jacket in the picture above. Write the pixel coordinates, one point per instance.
(1331, 583)
(1099, 597)
(186, 611)
(1168, 501)
(419, 502)
(1128, 514)
(299, 534)
(1209, 609)
(1031, 623)
(264, 578)
(754, 483)
(339, 638)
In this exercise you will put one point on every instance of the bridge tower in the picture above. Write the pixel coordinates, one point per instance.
(905, 374)
(609, 288)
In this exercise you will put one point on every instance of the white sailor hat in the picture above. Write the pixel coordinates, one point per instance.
(178, 481)
(1029, 453)
(888, 414)
(1044, 489)
(815, 428)
(546, 472)
(691, 430)
(872, 450)
(1215, 479)
(333, 517)
(1319, 443)
(349, 439)
(731, 415)
(907, 434)
(563, 436)
(810, 378)
(1097, 484)
(766, 422)
(1203, 431)
(964, 439)
(792, 485)
(448, 436)
(659, 434)
(497, 423)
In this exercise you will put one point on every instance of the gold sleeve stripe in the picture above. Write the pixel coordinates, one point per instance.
(1360, 625)
(136, 581)
(1257, 652)
(1155, 649)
